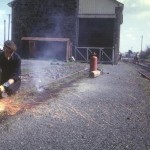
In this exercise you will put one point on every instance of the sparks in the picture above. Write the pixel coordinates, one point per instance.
(2, 107)
(10, 107)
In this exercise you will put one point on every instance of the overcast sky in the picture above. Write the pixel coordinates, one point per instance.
(136, 23)
(5, 10)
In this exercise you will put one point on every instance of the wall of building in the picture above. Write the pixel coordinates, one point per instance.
(95, 24)
(46, 18)
(97, 8)
(116, 38)
(107, 16)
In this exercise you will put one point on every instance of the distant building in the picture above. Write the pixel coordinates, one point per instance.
(1, 47)
(85, 25)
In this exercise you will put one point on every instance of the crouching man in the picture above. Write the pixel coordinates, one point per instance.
(10, 65)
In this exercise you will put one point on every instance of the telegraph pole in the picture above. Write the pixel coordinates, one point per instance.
(141, 42)
(8, 26)
(4, 30)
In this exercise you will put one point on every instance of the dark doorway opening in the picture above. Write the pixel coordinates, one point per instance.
(95, 32)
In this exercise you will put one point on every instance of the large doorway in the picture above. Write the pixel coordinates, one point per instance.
(95, 32)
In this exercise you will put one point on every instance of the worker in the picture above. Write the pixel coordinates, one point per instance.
(136, 60)
(10, 65)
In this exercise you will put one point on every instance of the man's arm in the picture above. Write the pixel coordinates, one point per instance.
(17, 71)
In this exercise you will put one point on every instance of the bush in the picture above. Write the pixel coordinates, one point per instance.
(145, 54)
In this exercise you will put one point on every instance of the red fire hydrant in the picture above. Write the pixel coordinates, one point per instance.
(93, 62)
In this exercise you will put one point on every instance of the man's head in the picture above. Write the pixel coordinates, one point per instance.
(9, 48)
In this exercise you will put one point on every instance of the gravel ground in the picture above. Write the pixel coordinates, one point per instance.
(110, 112)
(40, 78)
(42, 73)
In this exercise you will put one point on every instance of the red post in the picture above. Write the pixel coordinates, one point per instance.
(93, 63)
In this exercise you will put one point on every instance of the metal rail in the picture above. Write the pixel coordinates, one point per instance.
(144, 75)
(145, 72)
(143, 68)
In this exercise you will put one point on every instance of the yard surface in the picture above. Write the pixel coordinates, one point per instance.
(55, 112)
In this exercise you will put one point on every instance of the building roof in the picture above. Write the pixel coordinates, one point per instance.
(45, 39)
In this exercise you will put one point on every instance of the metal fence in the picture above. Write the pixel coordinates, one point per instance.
(105, 54)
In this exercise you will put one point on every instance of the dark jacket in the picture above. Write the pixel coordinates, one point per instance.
(11, 69)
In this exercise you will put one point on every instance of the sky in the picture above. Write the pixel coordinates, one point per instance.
(135, 30)
(134, 33)
(5, 10)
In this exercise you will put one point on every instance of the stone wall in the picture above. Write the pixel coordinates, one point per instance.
(53, 18)
(46, 18)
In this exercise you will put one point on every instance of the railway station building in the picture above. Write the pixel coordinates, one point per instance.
(60, 29)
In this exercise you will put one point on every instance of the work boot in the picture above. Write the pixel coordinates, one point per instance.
(4, 95)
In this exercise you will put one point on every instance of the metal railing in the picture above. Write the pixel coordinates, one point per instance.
(105, 54)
